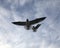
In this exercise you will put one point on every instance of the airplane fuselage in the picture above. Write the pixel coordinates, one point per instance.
(27, 24)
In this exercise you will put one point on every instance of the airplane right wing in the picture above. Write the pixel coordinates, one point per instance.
(19, 23)
(37, 20)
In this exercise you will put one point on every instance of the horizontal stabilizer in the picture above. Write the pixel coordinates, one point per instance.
(36, 27)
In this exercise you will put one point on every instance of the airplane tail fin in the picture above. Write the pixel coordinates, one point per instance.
(37, 26)
(34, 28)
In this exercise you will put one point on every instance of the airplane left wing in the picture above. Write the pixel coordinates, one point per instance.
(19, 23)
(37, 20)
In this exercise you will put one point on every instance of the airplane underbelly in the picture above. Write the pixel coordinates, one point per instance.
(27, 27)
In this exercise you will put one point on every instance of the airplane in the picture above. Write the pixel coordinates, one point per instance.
(28, 23)
(34, 28)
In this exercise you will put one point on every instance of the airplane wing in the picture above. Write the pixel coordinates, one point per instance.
(19, 23)
(37, 20)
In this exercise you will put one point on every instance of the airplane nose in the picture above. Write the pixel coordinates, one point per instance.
(44, 18)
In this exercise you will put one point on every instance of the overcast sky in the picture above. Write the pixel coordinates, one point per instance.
(47, 35)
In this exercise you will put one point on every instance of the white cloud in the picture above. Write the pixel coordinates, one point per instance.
(53, 46)
(4, 12)
(19, 2)
(23, 2)
(43, 44)
(3, 44)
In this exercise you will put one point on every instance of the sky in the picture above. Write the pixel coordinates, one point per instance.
(47, 35)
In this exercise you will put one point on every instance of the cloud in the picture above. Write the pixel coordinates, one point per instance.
(22, 2)
(53, 46)
(3, 44)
